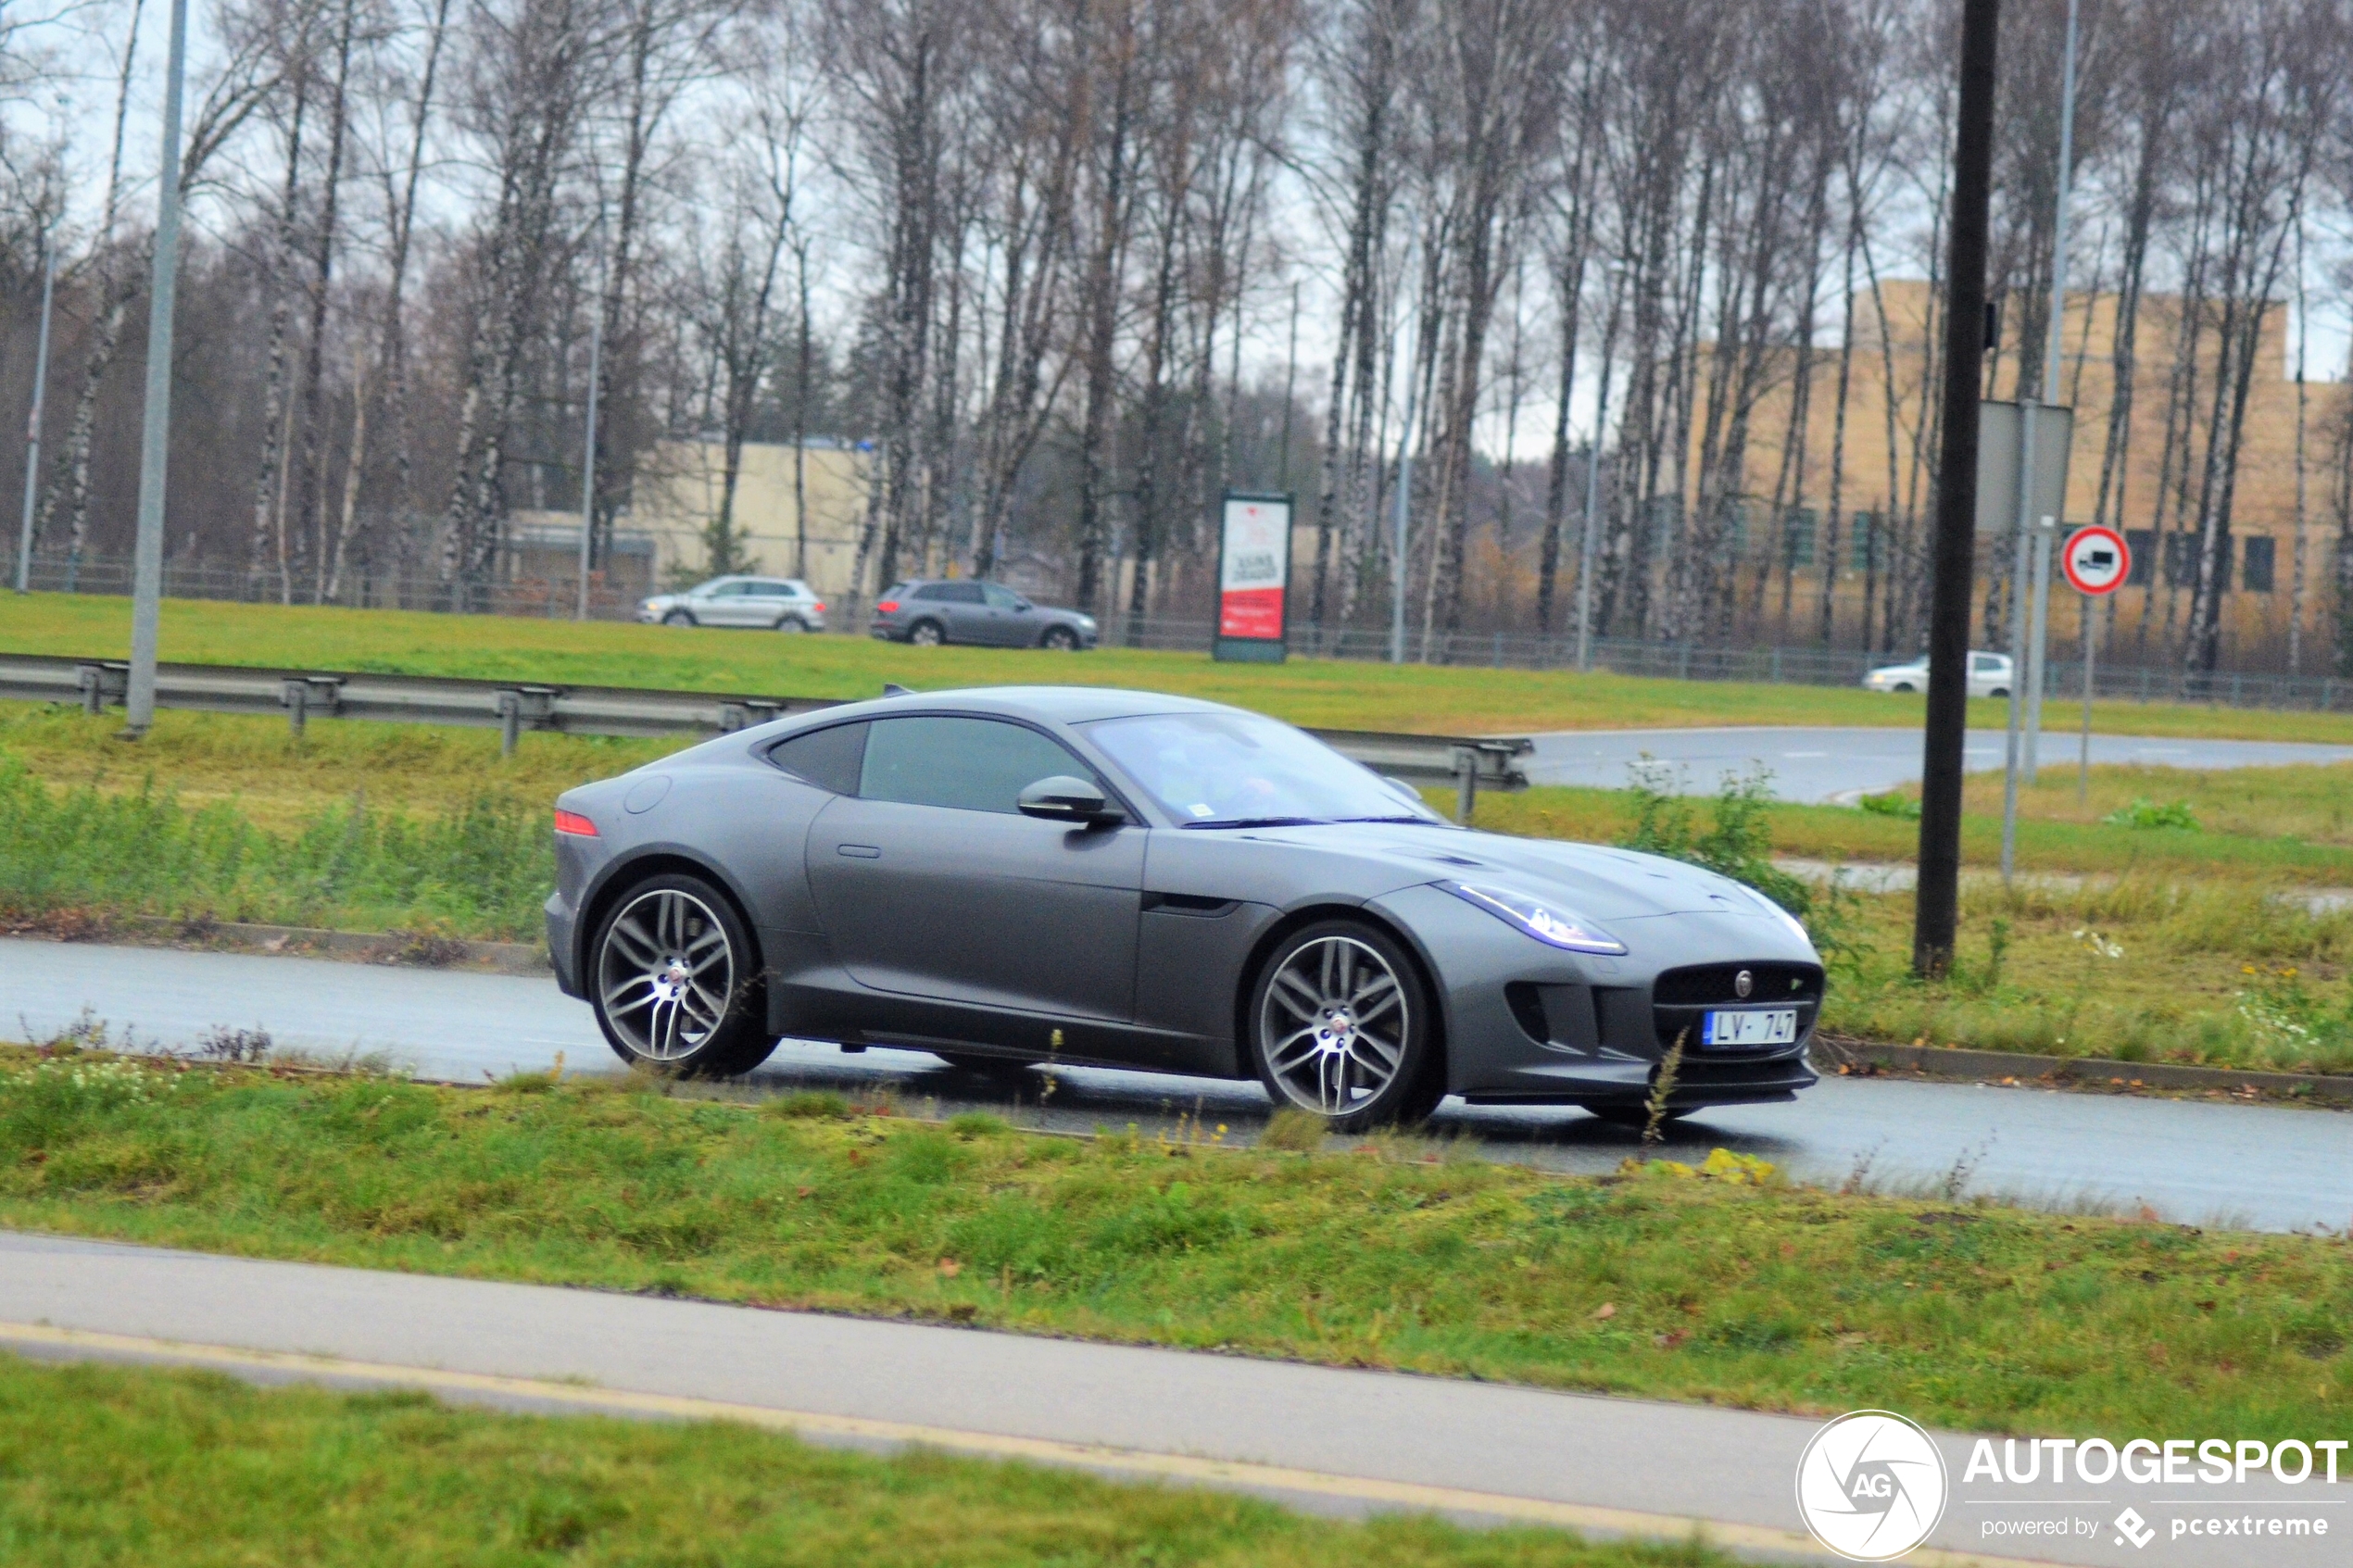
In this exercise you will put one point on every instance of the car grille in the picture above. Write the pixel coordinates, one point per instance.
(1679, 997)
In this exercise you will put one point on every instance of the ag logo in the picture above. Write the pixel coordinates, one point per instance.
(1742, 984)
(1871, 1485)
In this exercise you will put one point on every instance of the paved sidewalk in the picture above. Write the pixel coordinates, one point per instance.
(1323, 1437)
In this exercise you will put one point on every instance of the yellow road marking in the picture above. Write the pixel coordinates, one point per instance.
(1408, 1495)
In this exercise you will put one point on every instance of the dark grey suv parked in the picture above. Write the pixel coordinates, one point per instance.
(987, 614)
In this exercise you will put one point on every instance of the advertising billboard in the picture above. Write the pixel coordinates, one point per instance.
(1253, 578)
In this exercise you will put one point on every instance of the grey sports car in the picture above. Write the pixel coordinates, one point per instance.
(1027, 874)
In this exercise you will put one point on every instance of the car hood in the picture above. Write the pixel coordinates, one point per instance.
(1596, 880)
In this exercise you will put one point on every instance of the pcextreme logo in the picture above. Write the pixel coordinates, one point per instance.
(1871, 1486)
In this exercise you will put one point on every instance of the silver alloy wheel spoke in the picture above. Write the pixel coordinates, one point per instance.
(1312, 1025)
(666, 973)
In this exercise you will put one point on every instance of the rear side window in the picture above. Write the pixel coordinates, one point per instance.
(965, 764)
(829, 757)
(933, 591)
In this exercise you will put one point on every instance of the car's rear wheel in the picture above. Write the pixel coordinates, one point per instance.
(927, 634)
(1999, 690)
(1340, 1027)
(1062, 639)
(792, 624)
(677, 617)
(675, 984)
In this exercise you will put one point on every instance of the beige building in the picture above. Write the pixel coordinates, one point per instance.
(2146, 501)
(678, 494)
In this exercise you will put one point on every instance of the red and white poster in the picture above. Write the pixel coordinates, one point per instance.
(1254, 569)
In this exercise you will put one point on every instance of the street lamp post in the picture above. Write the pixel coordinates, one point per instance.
(155, 446)
(32, 420)
(588, 450)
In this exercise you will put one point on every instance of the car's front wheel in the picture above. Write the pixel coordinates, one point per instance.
(1340, 1027)
(674, 981)
(1061, 639)
(1901, 686)
(927, 634)
(677, 617)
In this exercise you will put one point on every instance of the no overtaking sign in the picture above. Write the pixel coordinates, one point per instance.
(2097, 560)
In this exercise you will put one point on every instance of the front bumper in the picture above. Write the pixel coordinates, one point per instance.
(1528, 1024)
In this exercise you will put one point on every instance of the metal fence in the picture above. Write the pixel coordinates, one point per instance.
(555, 600)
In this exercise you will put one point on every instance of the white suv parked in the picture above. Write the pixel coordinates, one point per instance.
(777, 604)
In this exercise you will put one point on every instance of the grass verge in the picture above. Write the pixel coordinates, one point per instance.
(1673, 1286)
(114, 1464)
(1326, 692)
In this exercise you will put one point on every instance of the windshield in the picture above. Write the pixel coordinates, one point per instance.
(1236, 770)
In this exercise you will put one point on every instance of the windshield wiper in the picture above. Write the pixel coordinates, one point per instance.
(1424, 821)
(1258, 822)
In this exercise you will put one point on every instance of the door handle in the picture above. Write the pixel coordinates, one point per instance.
(858, 851)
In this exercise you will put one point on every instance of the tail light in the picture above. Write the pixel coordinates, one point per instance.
(889, 607)
(574, 823)
(820, 606)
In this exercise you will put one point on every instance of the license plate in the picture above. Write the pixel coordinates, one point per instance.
(1757, 1026)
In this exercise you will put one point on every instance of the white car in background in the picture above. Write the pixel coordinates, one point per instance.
(775, 604)
(1989, 675)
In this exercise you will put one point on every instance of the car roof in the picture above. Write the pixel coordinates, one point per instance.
(1059, 705)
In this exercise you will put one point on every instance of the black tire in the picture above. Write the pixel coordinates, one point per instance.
(1638, 1117)
(792, 624)
(996, 1068)
(674, 981)
(1061, 639)
(926, 634)
(678, 618)
(1328, 1063)
(1901, 686)
(1999, 690)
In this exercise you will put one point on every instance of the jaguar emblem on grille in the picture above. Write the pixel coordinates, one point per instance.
(1742, 984)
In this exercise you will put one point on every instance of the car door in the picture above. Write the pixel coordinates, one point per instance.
(1012, 623)
(930, 883)
(724, 605)
(765, 602)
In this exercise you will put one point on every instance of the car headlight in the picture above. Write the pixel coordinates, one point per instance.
(1088, 622)
(1535, 918)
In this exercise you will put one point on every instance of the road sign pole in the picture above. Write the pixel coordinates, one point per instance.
(2026, 423)
(2038, 646)
(2090, 654)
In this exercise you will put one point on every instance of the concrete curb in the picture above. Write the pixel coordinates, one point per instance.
(1853, 1058)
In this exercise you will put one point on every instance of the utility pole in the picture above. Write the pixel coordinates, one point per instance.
(1291, 379)
(1405, 492)
(1937, 905)
(588, 450)
(32, 420)
(154, 444)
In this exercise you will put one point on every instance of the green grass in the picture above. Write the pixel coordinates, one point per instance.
(1327, 694)
(1962, 1314)
(116, 1465)
(480, 870)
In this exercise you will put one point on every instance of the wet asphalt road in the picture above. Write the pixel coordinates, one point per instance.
(2264, 1167)
(1826, 763)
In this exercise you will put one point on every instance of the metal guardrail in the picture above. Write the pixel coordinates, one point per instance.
(1470, 764)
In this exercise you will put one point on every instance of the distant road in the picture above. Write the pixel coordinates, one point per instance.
(1812, 765)
(2271, 1168)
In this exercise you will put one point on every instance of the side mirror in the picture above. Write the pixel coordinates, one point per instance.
(1067, 799)
(1022, 609)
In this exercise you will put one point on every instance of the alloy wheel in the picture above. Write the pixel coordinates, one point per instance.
(924, 635)
(1333, 1025)
(666, 974)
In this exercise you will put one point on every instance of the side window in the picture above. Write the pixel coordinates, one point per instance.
(730, 591)
(962, 593)
(967, 764)
(828, 758)
(933, 591)
(1986, 663)
(1000, 597)
(768, 590)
